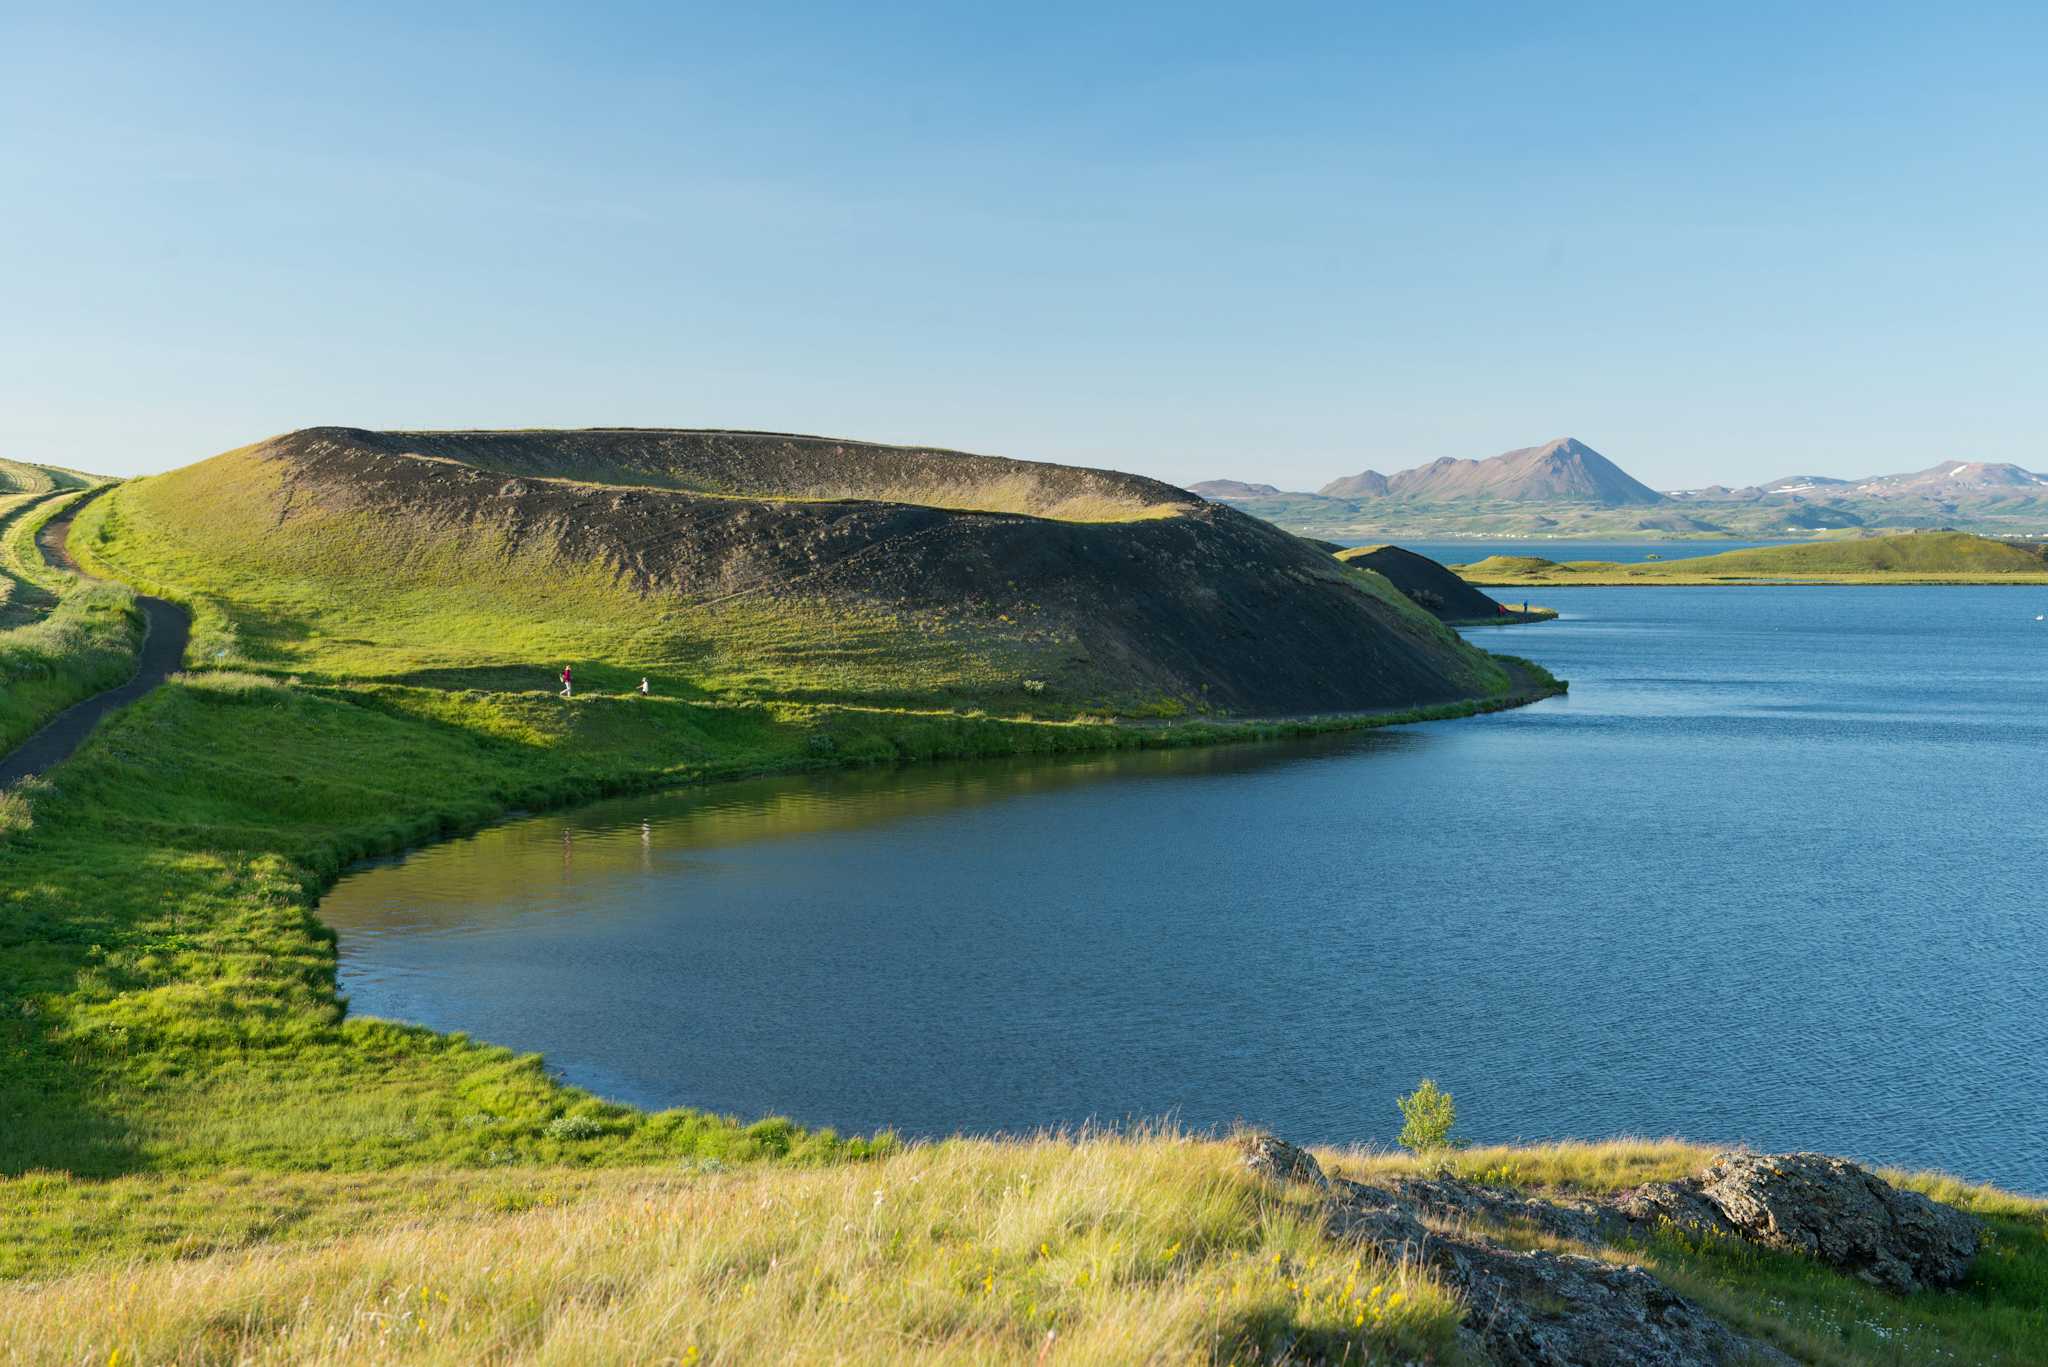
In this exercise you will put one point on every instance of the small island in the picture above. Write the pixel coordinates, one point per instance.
(1909, 558)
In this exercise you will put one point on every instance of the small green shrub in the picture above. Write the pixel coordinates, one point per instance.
(14, 810)
(1428, 1113)
(575, 1127)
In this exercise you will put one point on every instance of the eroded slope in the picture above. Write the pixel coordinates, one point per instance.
(782, 466)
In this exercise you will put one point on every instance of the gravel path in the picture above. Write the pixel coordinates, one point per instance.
(163, 651)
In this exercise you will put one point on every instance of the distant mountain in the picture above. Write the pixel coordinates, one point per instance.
(1565, 489)
(1562, 471)
(1365, 484)
(1801, 484)
(1953, 479)
(1231, 488)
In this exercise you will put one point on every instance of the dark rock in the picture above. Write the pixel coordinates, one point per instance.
(1453, 1199)
(1531, 1309)
(1544, 1309)
(1379, 1218)
(1840, 1214)
(1679, 1205)
(1538, 1308)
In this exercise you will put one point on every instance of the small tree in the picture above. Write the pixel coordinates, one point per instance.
(1429, 1113)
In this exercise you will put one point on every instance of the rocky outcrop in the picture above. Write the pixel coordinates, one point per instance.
(1535, 1308)
(1680, 1205)
(1825, 1208)
(1543, 1309)
(1451, 1199)
(1529, 1308)
(1280, 1162)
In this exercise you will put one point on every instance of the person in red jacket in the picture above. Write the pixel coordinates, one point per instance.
(565, 681)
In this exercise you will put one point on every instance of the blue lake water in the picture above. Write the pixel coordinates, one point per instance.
(1773, 873)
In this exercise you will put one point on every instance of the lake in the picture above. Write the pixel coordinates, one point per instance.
(1772, 873)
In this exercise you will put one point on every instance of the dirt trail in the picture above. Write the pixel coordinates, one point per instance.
(163, 651)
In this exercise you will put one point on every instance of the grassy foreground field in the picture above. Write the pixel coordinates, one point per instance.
(1910, 558)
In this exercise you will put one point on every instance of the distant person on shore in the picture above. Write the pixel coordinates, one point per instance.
(643, 686)
(565, 682)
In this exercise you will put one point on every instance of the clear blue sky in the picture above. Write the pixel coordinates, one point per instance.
(1723, 242)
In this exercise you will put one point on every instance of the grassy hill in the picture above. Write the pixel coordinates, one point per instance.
(20, 477)
(488, 560)
(1912, 557)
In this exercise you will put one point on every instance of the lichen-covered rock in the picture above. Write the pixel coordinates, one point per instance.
(1379, 1218)
(1537, 1308)
(1836, 1212)
(1678, 1205)
(1276, 1160)
(1452, 1198)
(1544, 1309)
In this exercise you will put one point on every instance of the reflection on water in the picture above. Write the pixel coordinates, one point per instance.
(563, 863)
(1770, 874)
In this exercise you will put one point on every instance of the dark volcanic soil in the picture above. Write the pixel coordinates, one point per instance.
(1429, 584)
(1207, 605)
(784, 465)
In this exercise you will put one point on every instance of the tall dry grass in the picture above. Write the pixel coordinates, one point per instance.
(1155, 1249)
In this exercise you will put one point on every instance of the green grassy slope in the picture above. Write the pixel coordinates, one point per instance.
(1913, 557)
(20, 477)
(352, 596)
